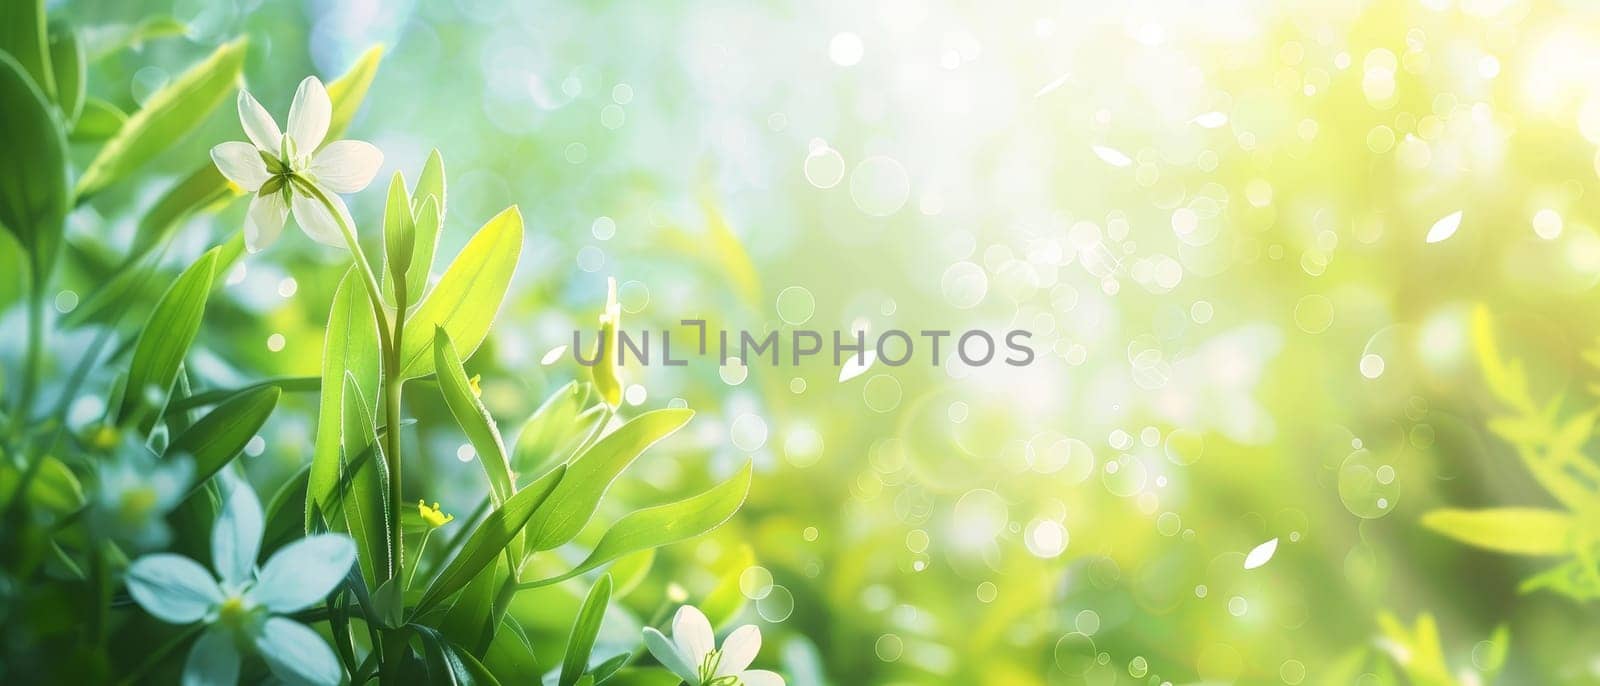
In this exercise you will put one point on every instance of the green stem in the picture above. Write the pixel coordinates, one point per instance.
(31, 361)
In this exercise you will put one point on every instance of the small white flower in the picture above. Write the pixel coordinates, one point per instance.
(242, 608)
(290, 170)
(136, 492)
(692, 652)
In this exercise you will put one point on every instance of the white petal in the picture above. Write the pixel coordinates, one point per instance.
(760, 677)
(213, 660)
(303, 572)
(347, 166)
(236, 537)
(296, 654)
(739, 650)
(174, 588)
(1260, 554)
(1445, 227)
(1111, 156)
(1211, 120)
(315, 220)
(666, 652)
(241, 163)
(856, 365)
(258, 123)
(309, 115)
(691, 631)
(265, 222)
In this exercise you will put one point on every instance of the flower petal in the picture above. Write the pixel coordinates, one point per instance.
(303, 572)
(258, 123)
(739, 650)
(347, 166)
(692, 632)
(241, 163)
(265, 221)
(213, 660)
(236, 537)
(760, 677)
(315, 220)
(309, 115)
(666, 652)
(173, 588)
(296, 654)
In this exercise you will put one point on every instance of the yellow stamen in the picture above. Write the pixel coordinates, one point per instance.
(104, 436)
(433, 515)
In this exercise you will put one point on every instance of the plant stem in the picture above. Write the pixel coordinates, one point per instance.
(31, 361)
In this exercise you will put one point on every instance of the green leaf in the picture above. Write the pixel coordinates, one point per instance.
(430, 186)
(604, 371)
(449, 664)
(168, 116)
(101, 41)
(23, 36)
(472, 416)
(389, 603)
(468, 295)
(510, 656)
(167, 335)
(588, 477)
(283, 513)
(99, 121)
(350, 347)
(33, 168)
(222, 433)
(580, 643)
(348, 91)
(664, 524)
(1511, 530)
(559, 428)
(495, 532)
(399, 236)
(366, 507)
(68, 63)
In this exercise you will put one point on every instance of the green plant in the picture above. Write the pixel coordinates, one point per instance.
(158, 468)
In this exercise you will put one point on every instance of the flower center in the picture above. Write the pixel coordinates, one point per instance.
(137, 502)
(234, 613)
(708, 671)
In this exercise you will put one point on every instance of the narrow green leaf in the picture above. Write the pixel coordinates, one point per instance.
(576, 499)
(169, 115)
(604, 372)
(167, 335)
(491, 536)
(664, 524)
(68, 64)
(556, 430)
(222, 433)
(33, 168)
(290, 384)
(510, 655)
(366, 506)
(23, 36)
(99, 121)
(580, 643)
(101, 41)
(348, 91)
(472, 416)
(283, 513)
(1511, 530)
(468, 296)
(399, 236)
(350, 346)
(430, 186)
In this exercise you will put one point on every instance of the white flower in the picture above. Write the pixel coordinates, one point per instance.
(293, 169)
(243, 608)
(136, 492)
(692, 652)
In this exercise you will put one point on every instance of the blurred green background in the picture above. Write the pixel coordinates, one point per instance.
(1213, 216)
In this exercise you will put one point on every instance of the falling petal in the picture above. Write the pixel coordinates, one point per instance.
(1111, 156)
(855, 365)
(1057, 83)
(1445, 228)
(555, 354)
(1260, 554)
(1211, 120)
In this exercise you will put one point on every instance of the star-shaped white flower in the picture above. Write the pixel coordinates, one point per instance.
(244, 608)
(293, 170)
(692, 652)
